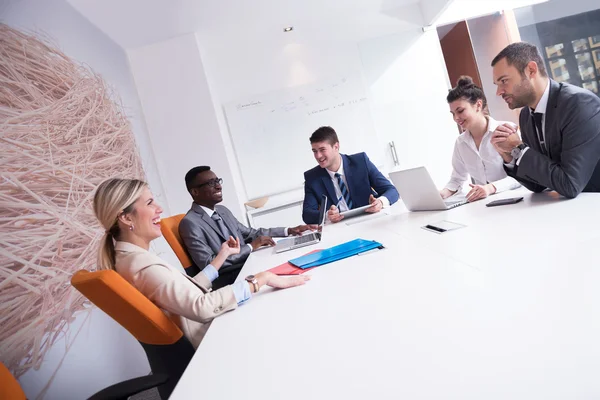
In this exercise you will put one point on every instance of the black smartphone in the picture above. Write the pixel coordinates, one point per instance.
(435, 228)
(504, 202)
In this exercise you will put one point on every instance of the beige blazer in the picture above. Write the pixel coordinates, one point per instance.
(189, 302)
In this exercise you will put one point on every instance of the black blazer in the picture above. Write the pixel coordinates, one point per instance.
(572, 129)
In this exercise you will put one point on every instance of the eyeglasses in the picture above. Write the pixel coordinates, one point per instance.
(212, 183)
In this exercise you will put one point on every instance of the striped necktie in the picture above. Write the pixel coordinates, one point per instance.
(537, 123)
(217, 218)
(344, 190)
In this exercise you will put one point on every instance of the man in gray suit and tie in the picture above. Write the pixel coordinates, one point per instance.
(560, 125)
(206, 226)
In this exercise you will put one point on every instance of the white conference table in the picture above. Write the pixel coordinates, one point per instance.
(506, 308)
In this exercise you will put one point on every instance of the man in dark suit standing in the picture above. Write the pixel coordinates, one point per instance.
(206, 226)
(348, 181)
(560, 125)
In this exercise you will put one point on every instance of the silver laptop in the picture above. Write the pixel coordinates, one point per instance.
(308, 239)
(419, 193)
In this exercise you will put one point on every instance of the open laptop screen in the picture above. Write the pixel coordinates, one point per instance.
(322, 213)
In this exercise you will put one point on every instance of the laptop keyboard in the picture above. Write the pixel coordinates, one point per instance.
(452, 204)
(304, 239)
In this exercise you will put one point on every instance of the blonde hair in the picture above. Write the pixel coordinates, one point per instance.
(113, 197)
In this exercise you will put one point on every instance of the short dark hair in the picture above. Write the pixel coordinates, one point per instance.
(519, 55)
(324, 133)
(190, 177)
(466, 89)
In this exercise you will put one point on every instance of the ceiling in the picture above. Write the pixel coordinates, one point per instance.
(136, 23)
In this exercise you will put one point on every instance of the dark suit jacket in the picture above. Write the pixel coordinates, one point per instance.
(572, 129)
(203, 239)
(362, 176)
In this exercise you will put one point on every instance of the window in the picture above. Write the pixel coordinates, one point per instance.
(567, 32)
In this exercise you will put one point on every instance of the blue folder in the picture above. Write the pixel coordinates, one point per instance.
(335, 253)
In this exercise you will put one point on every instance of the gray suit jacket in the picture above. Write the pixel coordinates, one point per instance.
(572, 130)
(203, 238)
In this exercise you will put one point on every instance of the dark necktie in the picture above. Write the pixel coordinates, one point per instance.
(217, 218)
(344, 190)
(537, 123)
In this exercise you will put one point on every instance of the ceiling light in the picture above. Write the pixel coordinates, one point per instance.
(288, 29)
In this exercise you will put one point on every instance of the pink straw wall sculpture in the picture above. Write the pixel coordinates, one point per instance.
(62, 132)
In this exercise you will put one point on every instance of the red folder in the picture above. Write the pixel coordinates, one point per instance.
(289, 269)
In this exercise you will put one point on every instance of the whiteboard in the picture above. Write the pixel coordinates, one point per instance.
(270, 132)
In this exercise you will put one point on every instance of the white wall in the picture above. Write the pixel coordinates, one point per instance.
(181, 118)
(404, 73)
(489, 36)
(432, 10)
(408, 81)
(196, 76)
(79, 39)
(182, 83)
(267, 63)
(103, 353)
(85, 43)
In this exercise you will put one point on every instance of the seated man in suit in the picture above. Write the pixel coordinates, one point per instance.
(207, 226)
(560, 124)
(348, 181)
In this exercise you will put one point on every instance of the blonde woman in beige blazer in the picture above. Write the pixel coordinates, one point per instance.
(131, 219)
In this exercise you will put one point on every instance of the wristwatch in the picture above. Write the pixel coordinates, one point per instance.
(252, 279)
(516, 152)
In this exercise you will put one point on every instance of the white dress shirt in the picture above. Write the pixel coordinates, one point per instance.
(341, 202)
(541, 108)
(484, 165)
(210, 213)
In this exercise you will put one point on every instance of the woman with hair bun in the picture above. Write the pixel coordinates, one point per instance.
(474, 154)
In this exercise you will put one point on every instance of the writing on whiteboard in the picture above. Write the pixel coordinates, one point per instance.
(302, 104)
(343, 104)
(320, 110)
(251, 104)
(273, 128)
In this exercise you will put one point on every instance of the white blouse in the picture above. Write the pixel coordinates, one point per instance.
(484, 165)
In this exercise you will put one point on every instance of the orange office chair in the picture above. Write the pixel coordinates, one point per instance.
(170, 230)
(168, 351)
(9, 387)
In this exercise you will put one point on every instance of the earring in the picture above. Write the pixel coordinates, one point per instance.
(131, 227)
